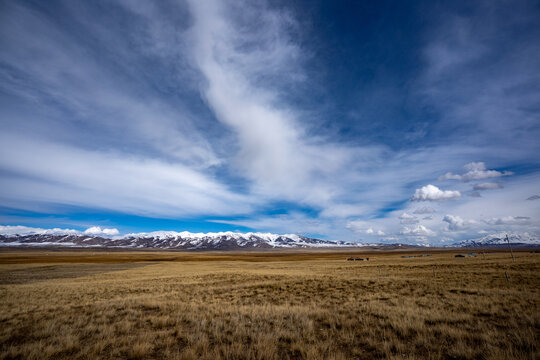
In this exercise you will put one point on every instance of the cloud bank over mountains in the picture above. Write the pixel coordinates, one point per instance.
(26, 230)
(208, 115)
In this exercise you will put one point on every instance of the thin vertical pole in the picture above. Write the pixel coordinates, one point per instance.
(510, 246)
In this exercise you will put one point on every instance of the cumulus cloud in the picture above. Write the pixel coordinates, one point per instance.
(456, 223)
(96, 230)
(424, 210)
(418, 230)
(475, 171)
(487, 186)
(370, 231)
(408, 219)
(433, 193)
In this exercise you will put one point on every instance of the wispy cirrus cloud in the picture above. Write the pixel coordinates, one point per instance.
(54, 73)
(55, 173)
(275, 151)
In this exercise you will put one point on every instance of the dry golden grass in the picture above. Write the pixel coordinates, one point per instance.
(271, 305)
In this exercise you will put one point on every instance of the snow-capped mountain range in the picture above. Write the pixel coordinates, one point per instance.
(111, 238)
(498, 239)
(22, 236)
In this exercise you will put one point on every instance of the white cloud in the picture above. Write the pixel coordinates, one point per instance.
(456, 223)
(418, 230)
(119, 113)
(408, 219)
(433, 193)
(499, 204)
(96, 230)
(370, 231)
(242, 87)
(475, 171)
(109, 180)
(25, 230)
(487, 186)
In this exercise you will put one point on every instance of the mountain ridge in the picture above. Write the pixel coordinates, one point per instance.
(499, 239)
(173, 240)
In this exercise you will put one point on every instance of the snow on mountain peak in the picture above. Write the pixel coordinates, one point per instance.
(96, 236)
(500, 239)
(200, 236)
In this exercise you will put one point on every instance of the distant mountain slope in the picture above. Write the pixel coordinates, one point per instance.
(173, 240)
(499, 239)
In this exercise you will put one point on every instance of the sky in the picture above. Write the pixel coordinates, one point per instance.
(381, 122)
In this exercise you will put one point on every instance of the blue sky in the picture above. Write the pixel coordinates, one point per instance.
(388, 121)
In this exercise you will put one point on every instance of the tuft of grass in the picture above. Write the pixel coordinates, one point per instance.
(272, 305)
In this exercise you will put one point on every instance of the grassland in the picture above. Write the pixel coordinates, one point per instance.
(271, 305)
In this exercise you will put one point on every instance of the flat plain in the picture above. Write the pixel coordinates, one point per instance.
(268, 305)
